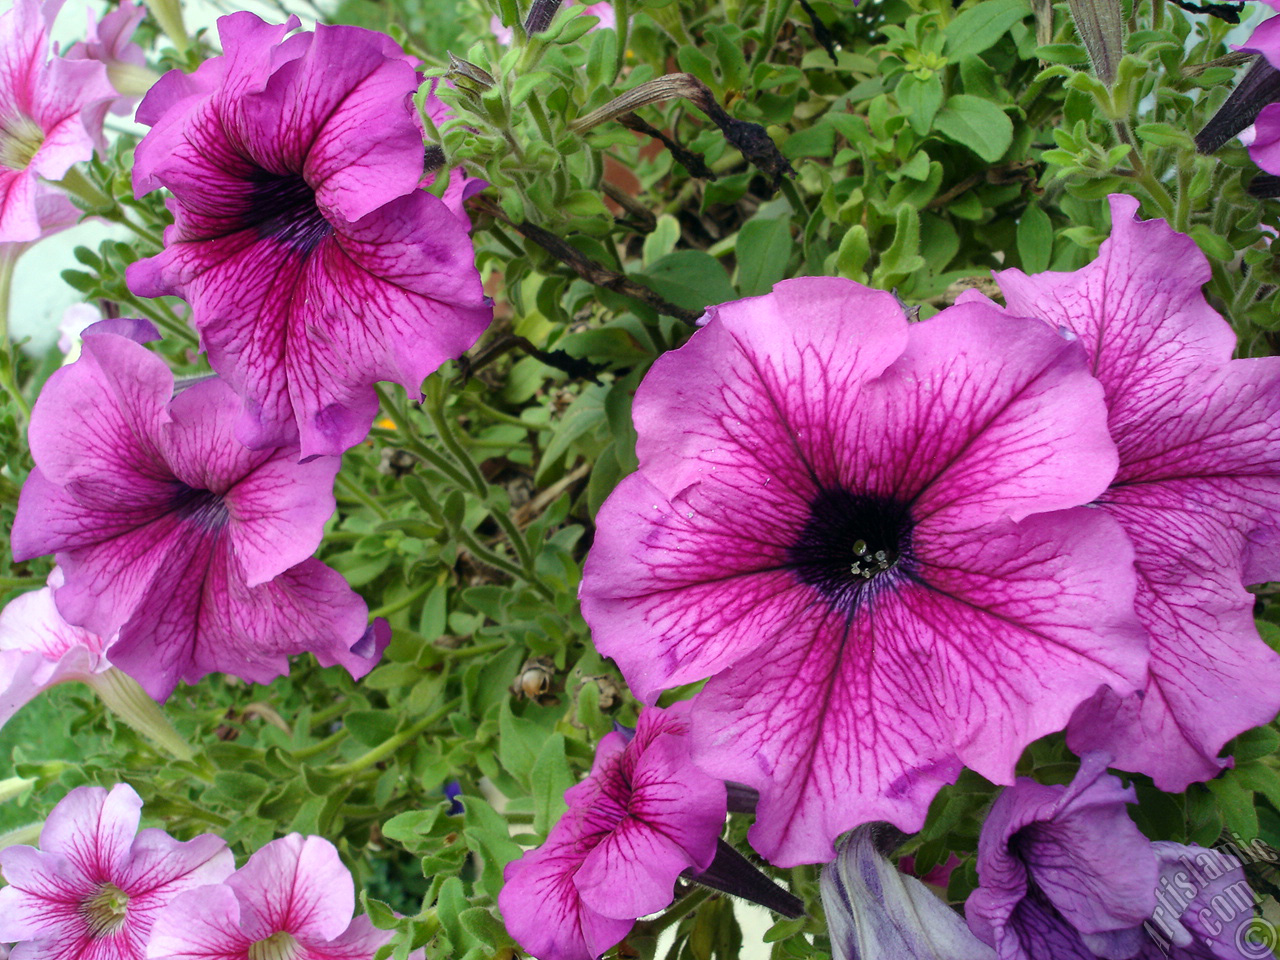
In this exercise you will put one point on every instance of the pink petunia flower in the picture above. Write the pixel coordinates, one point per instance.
(314, 264)
(38, 649)
(194, 549)
(110, 42)
(97, 883)
(1198, 492)
(642, 817)
(293, 900)
(51, 114)
(861, 530)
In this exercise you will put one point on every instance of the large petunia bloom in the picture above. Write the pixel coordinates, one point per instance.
(861, 530)
(97, 883)
(1198, 492)
(314, 263)
(642, 817)
(51, 113)
(194, 549)
(293, 899)
(1064, 874)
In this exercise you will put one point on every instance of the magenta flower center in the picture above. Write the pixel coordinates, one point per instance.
(106, 910)
(20, 139)
(284, 209)
(203, 508)
(852, 545)
(278, 946)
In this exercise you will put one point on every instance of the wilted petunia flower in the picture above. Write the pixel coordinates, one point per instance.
(314, 264)
(293, 900)
(51, 113)
(642, 817)
(1198, 492)
(170, 532)
(875, 912)
(839, 518)
(1064, 874)
(94, 889)
(1063, 871)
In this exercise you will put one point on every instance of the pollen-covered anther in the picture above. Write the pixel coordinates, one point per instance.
(106, 910)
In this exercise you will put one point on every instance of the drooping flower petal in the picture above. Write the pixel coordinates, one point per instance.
(314, 264)
(874, 911)
(194, 549)
(645, 815)
(821, 523)
(1197, 491)
(39, 649)
(294, 898)
(96, 885)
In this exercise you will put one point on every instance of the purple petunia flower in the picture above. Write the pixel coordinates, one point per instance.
(51, 113)
(1198, 492)
(840, 518)
(314, 264)
(642, 817)
(1064, 874)
(293, 899)
(94, 889)
(874, 912)
(195, 550)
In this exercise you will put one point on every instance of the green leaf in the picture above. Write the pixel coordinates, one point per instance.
(816, 141)
(977, 124)
(691, 279)
(1035, 239)
(1235, 800)
(979, 27)
(661, 240)
(371, 727)
(550, 777)
(855, 250)
(920, 101)
(763, 249)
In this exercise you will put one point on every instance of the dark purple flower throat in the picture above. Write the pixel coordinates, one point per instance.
(850, 542)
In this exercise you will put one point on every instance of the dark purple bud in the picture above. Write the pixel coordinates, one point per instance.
(730, 872)
(1259, 87)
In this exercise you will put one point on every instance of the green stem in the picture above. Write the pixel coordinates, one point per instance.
(622, 18)
(434, 397)
(7, 265)
(303, 753)
(479, 405)
(20, 583)
(350, 487)
(78, 185)
(390, 745)
(390, 608)
(464, 652)
(127, 700)
(687, 904)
